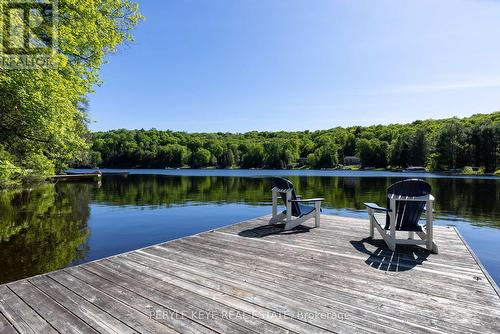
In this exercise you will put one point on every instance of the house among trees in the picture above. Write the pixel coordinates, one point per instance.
(351, 160)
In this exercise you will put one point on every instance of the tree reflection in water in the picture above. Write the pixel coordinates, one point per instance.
(474, 199)
(42, 229)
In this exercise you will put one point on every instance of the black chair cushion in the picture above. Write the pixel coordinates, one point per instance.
(285, 184)
(408, 213)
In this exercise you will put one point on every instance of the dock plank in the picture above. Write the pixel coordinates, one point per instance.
(51, 311)
(253, 278)
(21, 315)
(89, 313)
(166, 316)
(5, 326)
(128, 315)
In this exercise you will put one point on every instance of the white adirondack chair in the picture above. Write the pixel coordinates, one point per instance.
(407, 200)
(296, 213)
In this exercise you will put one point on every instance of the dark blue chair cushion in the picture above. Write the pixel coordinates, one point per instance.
(285, 184)
(408, 213)
(304, 210)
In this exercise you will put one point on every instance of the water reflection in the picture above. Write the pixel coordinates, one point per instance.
(474, 199)
(51, 226)
(42, 229)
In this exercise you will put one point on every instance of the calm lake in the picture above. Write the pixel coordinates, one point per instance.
(57, 225)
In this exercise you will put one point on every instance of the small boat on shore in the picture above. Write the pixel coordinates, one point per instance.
(415, 169)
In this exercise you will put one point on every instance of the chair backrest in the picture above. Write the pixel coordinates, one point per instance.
(408, 213)
(285, 184)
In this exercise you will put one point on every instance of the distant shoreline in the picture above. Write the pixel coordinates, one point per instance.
(256, 172)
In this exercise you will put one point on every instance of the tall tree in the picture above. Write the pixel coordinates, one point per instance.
(419, 150)
(372, 152)
(42, 122)
(450, 145)
(227, 160)
(485, 144)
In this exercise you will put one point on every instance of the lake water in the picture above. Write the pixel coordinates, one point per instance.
(57, 225)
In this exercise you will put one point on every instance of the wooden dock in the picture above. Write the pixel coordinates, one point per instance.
(78, 177)
(251, 278)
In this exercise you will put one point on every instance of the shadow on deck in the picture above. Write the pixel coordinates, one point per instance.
(381, 258)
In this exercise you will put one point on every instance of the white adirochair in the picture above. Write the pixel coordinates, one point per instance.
(295, 213)
(407, 200)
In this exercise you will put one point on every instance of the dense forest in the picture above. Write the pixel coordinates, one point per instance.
(446, 144)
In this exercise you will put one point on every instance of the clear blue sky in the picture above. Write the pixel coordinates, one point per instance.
(240, 65)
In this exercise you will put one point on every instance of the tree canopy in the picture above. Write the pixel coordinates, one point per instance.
(43, 111)
(438, 144)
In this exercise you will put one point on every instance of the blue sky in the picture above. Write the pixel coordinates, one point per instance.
(241, 65)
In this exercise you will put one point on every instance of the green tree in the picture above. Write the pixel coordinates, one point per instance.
(95, 159)
(326, 156)
(311, 160)
(485, 144)
(227, 159)
(254, 157)
(349, 148)
(201, 158)
(450, 145)
(216, 149)
(419, 151)
(8, 171)
(279, 154)
(409, 148)
(42, 111)
(399, 150)
(372, 152)
(172, 155)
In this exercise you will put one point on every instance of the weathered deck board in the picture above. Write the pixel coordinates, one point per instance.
(253, 278)
(5, 326)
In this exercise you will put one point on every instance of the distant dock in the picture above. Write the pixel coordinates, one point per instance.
(77, 177)
(253, 278)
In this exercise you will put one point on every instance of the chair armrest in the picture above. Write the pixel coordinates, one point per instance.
(425, 198)
(375, 207)
(280, 199)
(425, 209)
(308, 200)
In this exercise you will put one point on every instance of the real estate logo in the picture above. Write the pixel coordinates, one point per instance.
(28, 38)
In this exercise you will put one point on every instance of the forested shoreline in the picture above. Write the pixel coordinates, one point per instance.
(446, 144)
